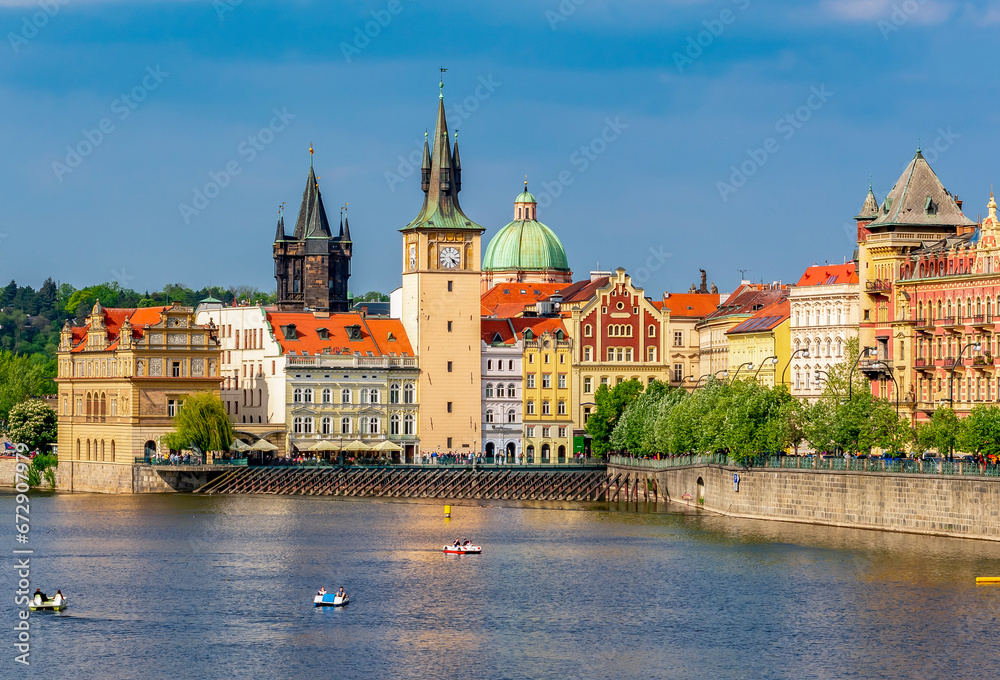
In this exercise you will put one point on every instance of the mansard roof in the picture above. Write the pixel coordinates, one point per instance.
(918, 199)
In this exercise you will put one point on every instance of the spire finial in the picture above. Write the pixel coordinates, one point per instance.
(425, 134)
(918, 144)
(310, 154)
(869, 182)
(525, 182)
(441, 84)
(456, 134)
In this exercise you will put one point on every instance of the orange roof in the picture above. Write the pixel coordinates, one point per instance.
(766, 319)
(114, 317)
(538, 325)
(694, 305)
(496, 330)
(379, 337)
(828, 274)
(510, 299)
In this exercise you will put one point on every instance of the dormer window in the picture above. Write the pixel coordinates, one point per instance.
(289, 332)
(353, 332)
(559, 334)
(528, 335)
(930, 207)
(323, 333)
(391, 337)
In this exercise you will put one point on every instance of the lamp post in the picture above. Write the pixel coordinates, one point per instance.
(772, 359)
(865, 352)
(951, 374)
(698, 382)
(687, 378)
(748, 364)
(804, 352)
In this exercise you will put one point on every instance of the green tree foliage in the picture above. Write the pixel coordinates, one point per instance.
(32, 423)
(21, 377)
(980, 431)
(372, 296)
(636, 427)
(609, 406)
(201, 422)
(941, 432)
(43, 466)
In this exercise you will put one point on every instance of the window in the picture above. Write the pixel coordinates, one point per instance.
(586, 353)
(562, 358)
(450, 289)
(489, 365)
(530, 408)
(678, 373)
(408, 393)
(604, 380)
(449, 407)
(449, 328)
(394, 424)
(171, 407)
(176, 371)
(297, 425)
(611, 353)
(652, 331)
(363, 426)
(374, 425)
(531, 358)
(531, 381)
(408, 424)
(562, 408)
(489, 390)
(511, 393)
(307, 425)
(364, 396)
(345, 426)
(327, 395)
(307, 395)
(510, 365)
(546, 380)
(394, 393)
(562, 432)
(326, 425)
(546, 408)
(650, 354)
(449, 438)
(511, 416)
(489, 415)
(529, 432)
(588, 385)
(562, 381)
(345, 396)
(588, 331)
(449, 366)
(678, 338)
(545, 432)
(376, 396)
(546, 358)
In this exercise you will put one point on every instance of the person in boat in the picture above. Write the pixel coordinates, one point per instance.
(322, 591)
(341, 594)
(57, 600)
(457, 543)
(40, 597)
(467, 542)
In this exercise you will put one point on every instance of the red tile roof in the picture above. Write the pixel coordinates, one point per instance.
(538, 326)
(689, 305)
(583, 290)
(375, 334)
(828, 274)
(114, 317)
(749, 298)
(510, 299)
(766, 319)
(496, 330)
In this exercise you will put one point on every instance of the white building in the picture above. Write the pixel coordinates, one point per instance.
(824, 316)
(501, 379)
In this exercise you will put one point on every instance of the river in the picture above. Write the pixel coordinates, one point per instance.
(182, 586)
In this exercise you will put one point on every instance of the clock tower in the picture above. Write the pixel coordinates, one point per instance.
(441, 310)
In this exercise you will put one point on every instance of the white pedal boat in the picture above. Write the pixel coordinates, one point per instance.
(462, 550)
(38, 605)
(331, 600)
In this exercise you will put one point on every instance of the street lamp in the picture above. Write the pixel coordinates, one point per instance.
(951, 374)
(804, 352)
(748, 364)
(687, 378)
(865, 352)
(772, 359)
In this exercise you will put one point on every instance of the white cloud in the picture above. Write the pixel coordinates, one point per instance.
(925, 12)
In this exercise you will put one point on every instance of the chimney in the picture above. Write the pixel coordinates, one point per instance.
(958, 202)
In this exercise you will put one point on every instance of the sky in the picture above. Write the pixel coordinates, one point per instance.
(152, 142)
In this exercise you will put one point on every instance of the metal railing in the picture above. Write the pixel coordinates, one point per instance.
(166, 460)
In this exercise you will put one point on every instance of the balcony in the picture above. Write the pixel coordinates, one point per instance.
(342, 361)
(981, 320)
(873, 368)
(878, 286)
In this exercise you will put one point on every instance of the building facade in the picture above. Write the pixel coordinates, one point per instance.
(758, 346)
(123, 376)
(502, 353)
(548, 391)
(746, 300)
(824, 316)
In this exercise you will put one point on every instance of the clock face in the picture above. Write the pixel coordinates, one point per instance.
(413, 257)
(449, 258)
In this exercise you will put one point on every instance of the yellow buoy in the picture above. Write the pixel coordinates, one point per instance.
(447, 511)
(988, 579)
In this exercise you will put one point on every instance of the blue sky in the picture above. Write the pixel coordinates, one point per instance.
(659, 135)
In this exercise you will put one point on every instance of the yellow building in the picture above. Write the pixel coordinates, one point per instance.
(121, 379)
(440, 302)
(760, 346)
(546, 409)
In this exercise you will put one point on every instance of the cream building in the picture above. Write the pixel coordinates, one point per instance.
(501, 352)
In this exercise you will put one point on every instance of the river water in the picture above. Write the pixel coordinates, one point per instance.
(181, 586)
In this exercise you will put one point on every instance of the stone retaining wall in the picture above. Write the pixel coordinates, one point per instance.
(967, 507)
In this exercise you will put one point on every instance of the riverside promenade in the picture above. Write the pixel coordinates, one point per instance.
(925, 497)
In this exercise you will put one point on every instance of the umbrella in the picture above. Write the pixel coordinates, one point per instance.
(388, 446)
(325, 446)
(238, 445)
(357, 446)
(264, 445)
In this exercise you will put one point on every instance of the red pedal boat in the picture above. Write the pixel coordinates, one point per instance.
(462, 550)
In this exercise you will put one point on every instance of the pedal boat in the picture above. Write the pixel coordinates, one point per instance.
(462, 550)
(331, 600)
(48, 605)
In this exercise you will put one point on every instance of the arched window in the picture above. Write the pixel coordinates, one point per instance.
(327, 425)
(375, 396)
(408, 393)
(652, 331)
(394, 393)
(586, 353)
(546, 408)
(327, 395)
(510, 365)
(588, 331)
(297, 425)
(530, 408)
(489, 365)
(511, 393)
(511, 416)
(363, 426)
(297, 395)
(345, 396)
(394, 424)
(307, 425)
(489, 415)
(364, 396)
(651, 354)
(345, 426)
(562, 408)
(307, 395)
(408, 424)
(373, 425)
(489, 389)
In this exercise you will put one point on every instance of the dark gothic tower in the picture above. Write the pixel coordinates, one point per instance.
(312, 266)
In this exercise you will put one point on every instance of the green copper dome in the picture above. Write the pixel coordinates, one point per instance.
(525, 245)
(525, 197)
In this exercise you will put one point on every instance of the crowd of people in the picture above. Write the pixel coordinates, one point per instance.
(186, 458)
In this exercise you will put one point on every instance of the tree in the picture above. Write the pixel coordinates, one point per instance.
(941, 432)
(21, 377)
(610, 404)
(635, 430)
(372, 296)
(201, 422)
(32, 423)
(980, 431)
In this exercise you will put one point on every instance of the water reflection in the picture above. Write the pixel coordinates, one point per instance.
(183, 586)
